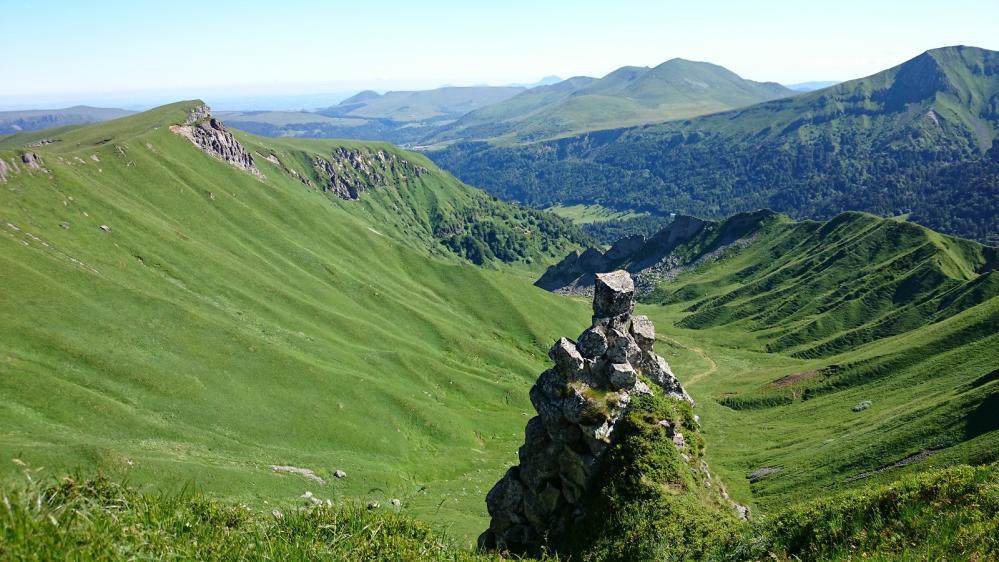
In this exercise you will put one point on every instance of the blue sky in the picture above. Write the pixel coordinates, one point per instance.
(62, 51)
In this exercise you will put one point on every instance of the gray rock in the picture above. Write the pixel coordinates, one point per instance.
(568, 361)
(622, 348)
(31, 161)
(213, 138)
(592, 342)
(539, 507)
(507, 496)
(578, 408)
(613, 294)
(679, 441)
(373, 505)
(579, 401)
(622, 375)
(742, 511)
(105, 228)
(339, 474)
(644, 332)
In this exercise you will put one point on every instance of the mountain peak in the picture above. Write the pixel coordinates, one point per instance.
(361, 97)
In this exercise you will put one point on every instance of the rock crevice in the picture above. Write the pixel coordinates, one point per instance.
(578, 402)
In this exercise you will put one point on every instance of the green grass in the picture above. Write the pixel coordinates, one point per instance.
(629, 96)
(589, 214)
(780, 340)
(950, 514)
(95, 519)
(226, 324)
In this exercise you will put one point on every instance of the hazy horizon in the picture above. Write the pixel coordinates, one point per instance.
(230, 51)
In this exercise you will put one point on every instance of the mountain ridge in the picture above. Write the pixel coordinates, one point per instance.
(913, 139)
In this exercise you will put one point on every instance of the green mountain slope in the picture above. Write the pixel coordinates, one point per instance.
(421, 105)
(823, 355)
(225, 322)
(913, 140)
(37, 119)
(675, 89)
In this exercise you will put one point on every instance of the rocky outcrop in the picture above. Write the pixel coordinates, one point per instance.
(4, 171)
(350, 171)
(684, 243)
(31, 161)
(578, 402)
(211, 136)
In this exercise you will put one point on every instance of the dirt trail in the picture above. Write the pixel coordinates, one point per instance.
(712, 366)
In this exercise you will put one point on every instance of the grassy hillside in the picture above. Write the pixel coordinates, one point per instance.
(225, 323)
(912, 140)
(831, 355)
(823, 355)
(676, 89)
(421, 105)
(37, 119)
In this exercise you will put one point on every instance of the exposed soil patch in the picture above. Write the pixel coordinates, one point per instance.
(793, 378)
(920, 456)
(762, 472)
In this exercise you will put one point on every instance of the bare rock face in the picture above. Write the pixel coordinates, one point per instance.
(212, 137)
(578, 402)
(4, 171)
(350, 171)
(31, 160)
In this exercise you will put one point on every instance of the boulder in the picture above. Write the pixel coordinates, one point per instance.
(567, 359)
(644, 332)
(622, 375)
(613, 294)
(592, 342)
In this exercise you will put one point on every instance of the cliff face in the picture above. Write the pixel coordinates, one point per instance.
(684, 243)
(579, 403)
(212, 137)
(350, 171)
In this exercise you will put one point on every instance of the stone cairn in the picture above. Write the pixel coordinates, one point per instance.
(578, 403)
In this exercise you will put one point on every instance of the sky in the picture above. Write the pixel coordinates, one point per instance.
(115, 53)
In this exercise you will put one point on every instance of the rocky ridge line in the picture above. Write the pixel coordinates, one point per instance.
(579, 401)
(683, 244)
(349, 172)
(213, 138)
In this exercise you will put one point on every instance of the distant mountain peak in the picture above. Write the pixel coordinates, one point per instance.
(361, 97)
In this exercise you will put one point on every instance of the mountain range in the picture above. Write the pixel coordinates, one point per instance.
(627, 96)
(38, 119)
(914, 140)
(675, 89)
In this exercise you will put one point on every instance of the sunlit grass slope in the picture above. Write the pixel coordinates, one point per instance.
(226, 323)
(835, 354)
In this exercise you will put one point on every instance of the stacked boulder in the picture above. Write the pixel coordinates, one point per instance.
(579, 401)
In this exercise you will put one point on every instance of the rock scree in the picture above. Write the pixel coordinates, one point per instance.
(578, 402)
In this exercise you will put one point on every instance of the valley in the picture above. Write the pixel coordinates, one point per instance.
(903, 141)
(400, 301)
